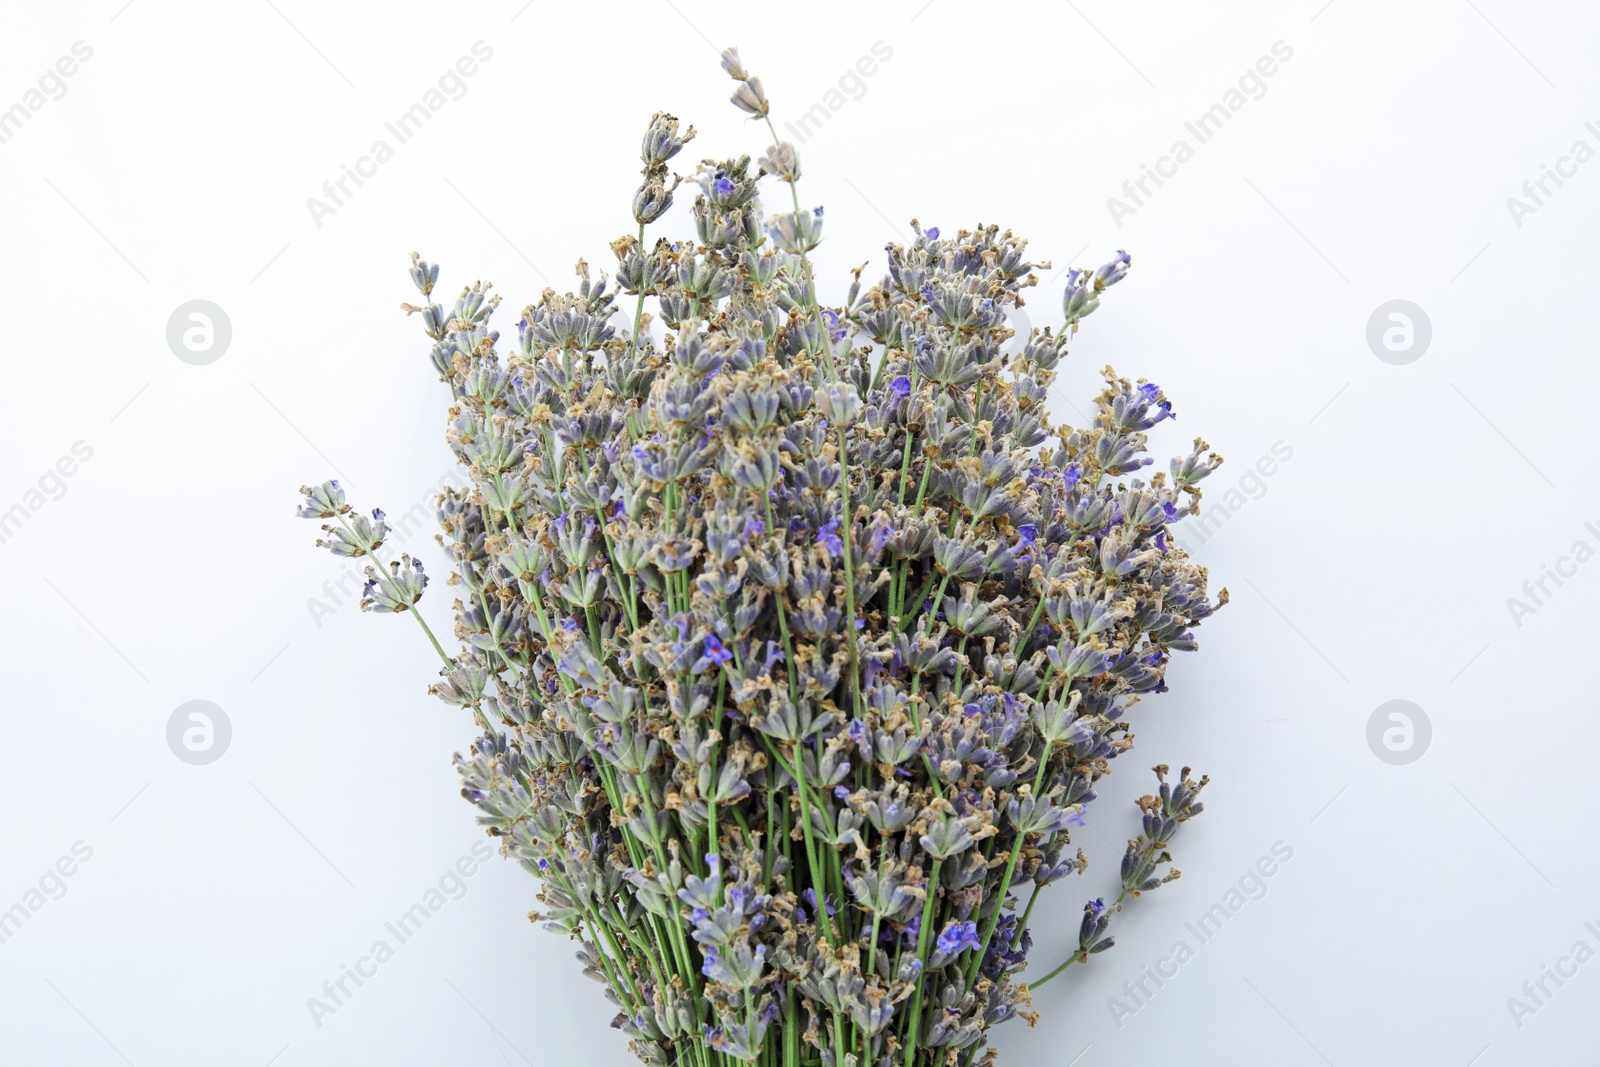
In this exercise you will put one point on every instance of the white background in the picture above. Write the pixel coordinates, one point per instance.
(1374, 565)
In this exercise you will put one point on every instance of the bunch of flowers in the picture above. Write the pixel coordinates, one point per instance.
(800, 641)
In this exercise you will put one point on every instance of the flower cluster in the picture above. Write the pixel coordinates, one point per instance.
(799, 640)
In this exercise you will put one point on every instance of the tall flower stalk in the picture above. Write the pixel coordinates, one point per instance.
(799, 640)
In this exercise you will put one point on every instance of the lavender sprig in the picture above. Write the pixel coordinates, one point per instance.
(1162, 816)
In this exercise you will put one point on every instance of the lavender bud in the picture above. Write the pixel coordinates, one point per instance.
(662, 141)
(749, 97)
(423, 274)
(652, 201)
(322, 502)
(731, 64)
(796, 232)
(782, 161)
(840, 404)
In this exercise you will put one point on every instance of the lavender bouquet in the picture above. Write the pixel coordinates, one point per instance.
(798, 643)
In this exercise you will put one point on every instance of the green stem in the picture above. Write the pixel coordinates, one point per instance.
(961, 663)
(711, 805)
(805, 267)
(1028, 911)
(779, 595)
(819, 878)
(872, 950)
(1005, 887)
(1043, 682)
(914, 1023)
(1027, 635)
(849, 574)
(1082, 954)
(638, 307)
(922, 595)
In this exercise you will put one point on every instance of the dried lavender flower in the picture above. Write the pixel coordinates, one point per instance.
(800, 639)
